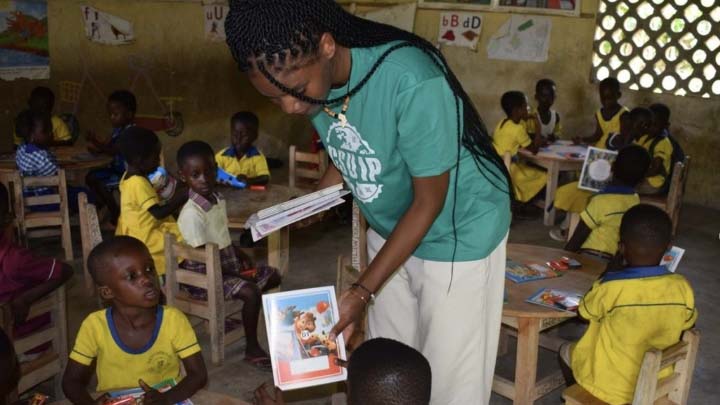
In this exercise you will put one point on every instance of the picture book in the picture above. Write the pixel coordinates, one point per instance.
(672, 258)
(561, 300)
(132, 396)
(597, 169)
(298, 324)
(521, 273)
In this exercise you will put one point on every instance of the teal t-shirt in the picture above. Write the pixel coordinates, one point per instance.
(403, 124)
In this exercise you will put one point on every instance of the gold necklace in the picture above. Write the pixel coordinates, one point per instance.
(341, 115)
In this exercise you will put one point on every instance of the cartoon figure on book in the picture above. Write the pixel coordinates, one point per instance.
(308, 340)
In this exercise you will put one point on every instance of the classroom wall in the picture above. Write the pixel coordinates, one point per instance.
(182, 63)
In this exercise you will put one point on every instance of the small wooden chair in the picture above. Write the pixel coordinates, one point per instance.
(507, 159)
(29, 221)
(51, 363)
(90, 236)
(672, 203)
(301, 173)
(648, 389)
(216, 309)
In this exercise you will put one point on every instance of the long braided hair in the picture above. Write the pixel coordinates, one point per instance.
(268, 34)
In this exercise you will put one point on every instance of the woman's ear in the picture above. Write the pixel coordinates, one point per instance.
(328, 46)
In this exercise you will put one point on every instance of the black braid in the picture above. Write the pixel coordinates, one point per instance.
(272, 33)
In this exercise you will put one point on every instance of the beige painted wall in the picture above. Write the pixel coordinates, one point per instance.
(184, 64)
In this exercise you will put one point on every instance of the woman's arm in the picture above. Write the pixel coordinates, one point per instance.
(331, 177)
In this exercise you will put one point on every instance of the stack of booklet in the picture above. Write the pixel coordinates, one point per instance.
(269, 220)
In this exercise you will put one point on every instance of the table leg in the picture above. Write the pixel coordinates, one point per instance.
(550, 188)
(526, 360)
(279, 250)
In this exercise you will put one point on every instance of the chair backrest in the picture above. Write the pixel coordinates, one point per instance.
(573, 223)
(306, 166)
(507, 159)
(677, 187)
(90, 235)
(675, 387)
(58, 196)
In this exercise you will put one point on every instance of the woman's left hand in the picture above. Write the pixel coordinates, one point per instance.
(351, 310)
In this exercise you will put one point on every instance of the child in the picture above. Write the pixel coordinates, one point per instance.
(141, 214)
(632, 310)
(121, 107)
(597, 232)
(203, 220)
(509, 136)
(242, 159)
(607, 118)
(657, 143)
(546, 118)
(380, 372)
(135, 341)
(42, 101)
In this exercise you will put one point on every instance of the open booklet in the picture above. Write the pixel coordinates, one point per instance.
(271, 219)
(672, 258)
(298, 324)
(597, 169)
(133, 396)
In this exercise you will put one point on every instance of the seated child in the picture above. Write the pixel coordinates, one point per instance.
(135, 341)
(203, 220)
(632, 310)
(42, 101)
(33, 158)
(509, 136)
(598, 231)
(141, 214)
(380, 372)
(657, 143)
(242, 159)
(607, 118)
(121, 107)
(547, 119)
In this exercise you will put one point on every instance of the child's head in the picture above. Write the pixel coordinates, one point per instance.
(660, 119)
(609, 90)
(141, 149)
(640, 118)
(631, 165)
(515, 105)
(625, 123)
(545, 93)
(645, 235)
(124, 272)
(243, 130)
(10, 375)
(34, 127)
(386, 372)
(121, 107)
(42, 100)
(197, 167)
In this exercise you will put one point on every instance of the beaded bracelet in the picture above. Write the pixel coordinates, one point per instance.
(362, 287)
(363, 299)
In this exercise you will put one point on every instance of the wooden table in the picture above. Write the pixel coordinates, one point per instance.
(202, 397)
(69, 158)
(550, 159)
(241, 204)
(527, 320)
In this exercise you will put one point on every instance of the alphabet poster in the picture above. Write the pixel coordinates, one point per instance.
(460, 29)
(215, 22)
(106, 28)
(24, 40)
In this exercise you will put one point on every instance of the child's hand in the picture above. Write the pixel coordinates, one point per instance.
(262, 397)
(552, 138)
(152, 396)
(102, 399)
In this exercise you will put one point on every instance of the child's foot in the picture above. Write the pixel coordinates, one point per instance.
(558, 234)
(258, 358)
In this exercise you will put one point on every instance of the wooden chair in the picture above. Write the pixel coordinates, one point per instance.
(507, 159)
(574, 221)
(302, 174)
(51, 363)
(42, 224)
(648, 389)
(672, 203)
(90, 236)
(216, 309)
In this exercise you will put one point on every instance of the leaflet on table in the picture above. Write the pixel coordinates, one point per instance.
(672, 258)
(130, 396)
(562, 300)
(262, 228)
(296, 202)
(521, 273)
(298, 324)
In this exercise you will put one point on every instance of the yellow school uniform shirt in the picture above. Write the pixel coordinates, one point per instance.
(630, 311)
(608, 127)
(527, 180)
(252, 164)
(570, 198)
(137, 195)
(663, 150)
(60, 131)
(118, 366)
(603, 215)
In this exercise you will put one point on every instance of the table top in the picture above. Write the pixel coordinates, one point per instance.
(578, 280)
(243, 203)
(563, 151)
(69, 158)
(202, 397)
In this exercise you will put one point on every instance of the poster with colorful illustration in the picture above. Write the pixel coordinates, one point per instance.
(298, 324)
(106, 28)
(460, 29)
(215, 15)
(24, 40)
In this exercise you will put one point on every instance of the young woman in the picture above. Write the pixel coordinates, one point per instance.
(407, 141)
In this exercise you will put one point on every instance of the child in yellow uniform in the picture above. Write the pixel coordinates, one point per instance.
(657, 143)
(242, 159)
(42, 100)
(509, 136)
(643, 306)
(141, 214)
(607, 118)
(544, 117)
(135, 341)
(597, 233)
